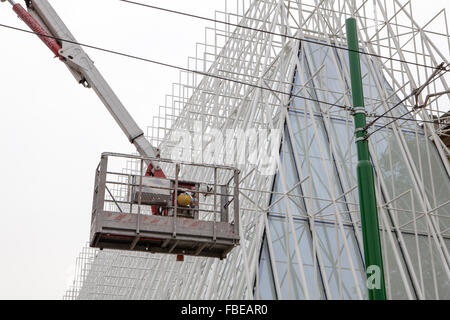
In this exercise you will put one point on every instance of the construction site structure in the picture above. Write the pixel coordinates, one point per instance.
(282, 66)
(300, 228)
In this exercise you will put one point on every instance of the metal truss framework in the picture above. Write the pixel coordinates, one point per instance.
(300, 229)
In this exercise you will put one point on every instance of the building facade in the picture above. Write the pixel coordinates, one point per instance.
(282, 67)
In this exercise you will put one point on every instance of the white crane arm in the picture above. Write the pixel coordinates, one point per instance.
(43, 19)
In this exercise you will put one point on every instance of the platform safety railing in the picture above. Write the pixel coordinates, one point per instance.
(216, 188)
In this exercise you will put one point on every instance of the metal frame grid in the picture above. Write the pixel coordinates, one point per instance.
(300, 230)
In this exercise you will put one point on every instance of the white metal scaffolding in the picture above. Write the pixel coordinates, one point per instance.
(299, 228)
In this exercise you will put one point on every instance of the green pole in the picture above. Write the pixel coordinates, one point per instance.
(366, 186)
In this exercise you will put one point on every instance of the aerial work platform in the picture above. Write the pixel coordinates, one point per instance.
(199, 218)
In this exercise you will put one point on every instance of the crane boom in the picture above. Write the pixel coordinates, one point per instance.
(45, 22)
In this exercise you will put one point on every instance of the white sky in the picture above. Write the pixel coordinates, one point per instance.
(52, 131)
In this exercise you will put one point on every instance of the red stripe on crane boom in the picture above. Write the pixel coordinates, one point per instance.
(37, 28)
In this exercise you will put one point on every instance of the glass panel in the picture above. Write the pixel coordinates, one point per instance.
(266, 287)
(344, 283)
(287, 263)
(428, 266)
(396, 288)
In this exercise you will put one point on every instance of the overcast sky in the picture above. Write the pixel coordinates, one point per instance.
(52, 131)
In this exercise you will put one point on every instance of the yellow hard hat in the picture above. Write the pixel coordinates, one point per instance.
(184, 200)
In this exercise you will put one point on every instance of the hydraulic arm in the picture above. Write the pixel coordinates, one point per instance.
(42, 19)
(180, 223)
